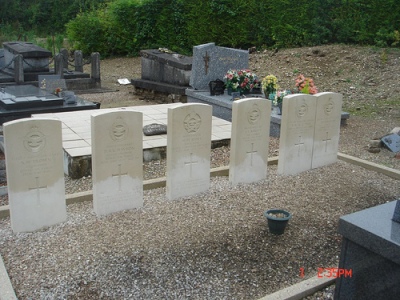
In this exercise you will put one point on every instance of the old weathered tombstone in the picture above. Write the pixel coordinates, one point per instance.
(249, 141)
(297, 134)
(188, 150)
(327, 129)
(211, 62)
(117, 161)
(35, 176)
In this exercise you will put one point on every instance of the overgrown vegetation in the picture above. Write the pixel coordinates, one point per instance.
(123, 27)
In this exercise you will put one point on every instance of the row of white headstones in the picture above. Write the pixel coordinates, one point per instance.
(34, 157)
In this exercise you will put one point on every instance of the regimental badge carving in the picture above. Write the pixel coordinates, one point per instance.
(192, 122)
(119, 130)
(329, 107)
(35, 140)
(253, 115)
(302, 109)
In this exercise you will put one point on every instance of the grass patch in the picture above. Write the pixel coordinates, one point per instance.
(378, 107)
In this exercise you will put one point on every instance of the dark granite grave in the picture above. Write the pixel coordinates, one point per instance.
(164, 71)
(21, 101)
(36, 59)
(371, 249)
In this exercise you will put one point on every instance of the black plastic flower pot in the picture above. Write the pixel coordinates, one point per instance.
(277, 220)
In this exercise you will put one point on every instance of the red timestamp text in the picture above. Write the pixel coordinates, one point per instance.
(334, 273)
(331, 272)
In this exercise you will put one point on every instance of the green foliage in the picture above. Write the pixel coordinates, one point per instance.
(124, 27)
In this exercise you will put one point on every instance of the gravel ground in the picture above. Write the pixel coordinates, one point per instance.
(216, 245)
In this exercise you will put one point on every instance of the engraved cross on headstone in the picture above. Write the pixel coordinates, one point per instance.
(251, 153)
(119, 175)
(326, 141)
(299, 144)
(206, 62)
(38, 188)
(190, 163)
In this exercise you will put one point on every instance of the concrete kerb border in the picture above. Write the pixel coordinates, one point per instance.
(294, 292)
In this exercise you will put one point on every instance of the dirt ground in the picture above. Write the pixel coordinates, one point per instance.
(368, 78)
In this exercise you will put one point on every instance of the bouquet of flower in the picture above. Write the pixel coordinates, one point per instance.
(306, 85)
(269, 85)
(279, 96)
(240, 80)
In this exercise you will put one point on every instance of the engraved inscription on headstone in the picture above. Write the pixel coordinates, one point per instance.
(188, 150)
(35, 175)
(117, 158)
(249, 140)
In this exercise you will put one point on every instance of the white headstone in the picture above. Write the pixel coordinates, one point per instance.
(117, 161)
(35, 176)
(327, 129)
(297, 134)
(188, 150)
(250, 140)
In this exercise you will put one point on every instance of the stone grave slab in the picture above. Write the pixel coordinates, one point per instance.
(117, 161)
(392, 141)
(188, 150)
(370, 250)
(327, 129)
(35, 175)
(297, 134)
(36, 58)
(211, 62)
(250, 140)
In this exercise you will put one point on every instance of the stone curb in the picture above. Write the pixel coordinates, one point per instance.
(6, 289)
(300, 290)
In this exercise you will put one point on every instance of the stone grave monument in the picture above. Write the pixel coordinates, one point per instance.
(21, 101)
(164, 72)
(35, 175)
(249, 141)
(117, 161)
(369, 260)
(188, 150)
(309, 132)
(211, 62)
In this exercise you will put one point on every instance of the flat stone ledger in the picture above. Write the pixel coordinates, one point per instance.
(35, 176)
(370, 249)
(249, 141)
(117, 161)
(188, 150)
(27, 96)
(211, 62)
(36, 59)
(297, 134)
(327, 129)
(221, 104)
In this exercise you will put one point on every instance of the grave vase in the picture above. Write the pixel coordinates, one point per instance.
(277, 220)
(279, 108)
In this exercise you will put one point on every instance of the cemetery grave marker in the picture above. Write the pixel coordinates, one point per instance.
(117, 161)
(188, 150)
(35, 176)
(211, 62)
(310, 131)
(250, 140)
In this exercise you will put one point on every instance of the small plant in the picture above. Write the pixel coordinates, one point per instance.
(305, 85)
